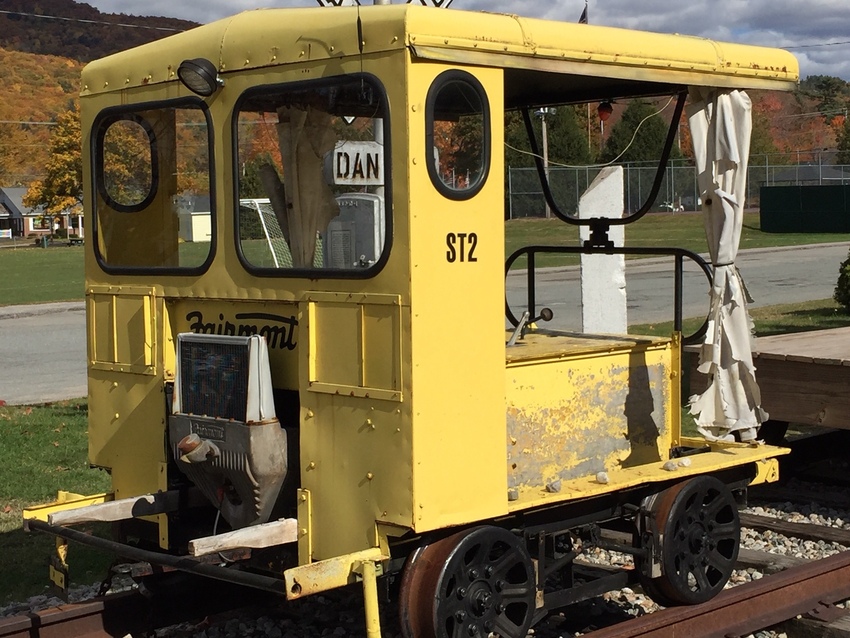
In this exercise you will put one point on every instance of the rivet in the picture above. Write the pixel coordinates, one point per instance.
(311, 466)
(370, 476)
(117, 415)
(310, 414)
(303, 498)
(303, 531)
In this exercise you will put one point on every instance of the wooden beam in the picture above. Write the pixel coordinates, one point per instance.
(122, 509)
(255, 537)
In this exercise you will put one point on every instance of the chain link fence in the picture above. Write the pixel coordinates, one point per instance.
(679, 190)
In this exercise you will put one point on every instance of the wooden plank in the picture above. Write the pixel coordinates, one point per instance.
(809, 628)
(125, 508)
(797, 392)
(255, 537)
(804, 531)
(833, 344)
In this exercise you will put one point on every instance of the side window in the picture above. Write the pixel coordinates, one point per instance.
(313, 183)
(457, 134)
(153, 204)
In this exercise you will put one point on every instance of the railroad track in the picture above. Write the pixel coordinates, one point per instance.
(99, 618)
(792, 587)
(747, 608)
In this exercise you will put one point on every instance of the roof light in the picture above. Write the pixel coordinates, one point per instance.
(199, 76)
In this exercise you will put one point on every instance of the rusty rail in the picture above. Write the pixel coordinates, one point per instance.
(115, 615)
(747, 608)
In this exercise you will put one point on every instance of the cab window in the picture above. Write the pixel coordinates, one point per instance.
(153, 201)
(457, 134)
(313, 182)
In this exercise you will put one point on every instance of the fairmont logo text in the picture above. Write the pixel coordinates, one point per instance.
(279, 331)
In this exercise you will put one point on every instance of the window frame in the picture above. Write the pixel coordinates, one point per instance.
(315, 273)
(101, 123)
(443, 79)
(102, 126)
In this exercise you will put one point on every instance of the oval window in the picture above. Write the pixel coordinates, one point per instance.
(457, 134)
(128, 164)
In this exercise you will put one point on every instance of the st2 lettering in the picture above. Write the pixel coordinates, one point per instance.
(461, 247)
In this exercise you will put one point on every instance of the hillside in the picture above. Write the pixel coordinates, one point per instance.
(36, 88)
(40, 63)
(45, 43)
(73, 29)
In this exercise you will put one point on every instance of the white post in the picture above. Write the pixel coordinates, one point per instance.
(603, 277)
(545, 136)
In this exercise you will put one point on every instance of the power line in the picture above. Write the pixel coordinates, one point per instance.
(111, 24)
(25, 122)
(822, 44)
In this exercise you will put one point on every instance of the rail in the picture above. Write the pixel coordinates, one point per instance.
(747, 608)
(678, 254)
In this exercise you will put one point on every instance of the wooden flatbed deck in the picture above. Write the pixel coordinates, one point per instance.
(804, 376)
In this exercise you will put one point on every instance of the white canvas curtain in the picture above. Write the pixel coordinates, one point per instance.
(721, 123)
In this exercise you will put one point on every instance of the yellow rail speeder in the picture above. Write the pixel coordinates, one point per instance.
(295, 288)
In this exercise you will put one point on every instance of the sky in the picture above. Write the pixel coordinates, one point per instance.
(816, 31)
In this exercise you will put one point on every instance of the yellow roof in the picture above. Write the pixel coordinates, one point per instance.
(268, 37)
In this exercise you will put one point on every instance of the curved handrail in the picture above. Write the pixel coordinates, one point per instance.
(679, 254)
(599, 225)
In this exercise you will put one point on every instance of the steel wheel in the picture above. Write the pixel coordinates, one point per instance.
(700, 531)
(468, 585)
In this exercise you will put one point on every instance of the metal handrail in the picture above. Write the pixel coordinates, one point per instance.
(599, 226)
(679, 254)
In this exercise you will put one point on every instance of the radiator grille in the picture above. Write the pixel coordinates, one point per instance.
(214, 378)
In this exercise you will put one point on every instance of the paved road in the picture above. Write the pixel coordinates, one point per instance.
(42, 352)
(42, 347)
(772, 275)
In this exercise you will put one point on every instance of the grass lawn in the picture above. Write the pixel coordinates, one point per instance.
(683, 230)
(769, 320)
(56, 273)
(44, 449)
(40, 275)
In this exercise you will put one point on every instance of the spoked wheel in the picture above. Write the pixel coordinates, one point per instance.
(700, 530)
(468, 585)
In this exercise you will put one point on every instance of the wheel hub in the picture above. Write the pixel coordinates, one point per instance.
(701, 532)
(471, 584)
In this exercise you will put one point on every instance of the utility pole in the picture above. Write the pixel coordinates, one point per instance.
(542, 113)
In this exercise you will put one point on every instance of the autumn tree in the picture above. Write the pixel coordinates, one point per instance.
(567, 145)
(843, 156)
(638, 136)
(61, 189)
(831, 93)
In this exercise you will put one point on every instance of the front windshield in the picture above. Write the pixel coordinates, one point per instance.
(312, 176)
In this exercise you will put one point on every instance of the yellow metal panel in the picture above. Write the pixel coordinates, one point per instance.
(355, 462)
(122, 329)
(355, 344)
(127, 430)
(457, 331)
(574, 416)
(721, 457)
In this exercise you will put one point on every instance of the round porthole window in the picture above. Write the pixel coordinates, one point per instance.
(457, 134)
(127, 163)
